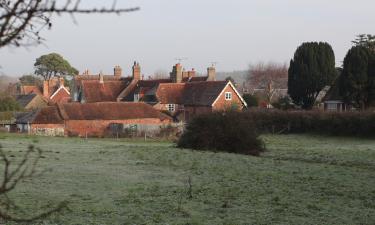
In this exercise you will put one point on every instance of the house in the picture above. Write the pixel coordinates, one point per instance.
(182, 95)
(183, 101)
(95, 119)
(99, 88)
(31, 101)
(53, 91)
(333, 101)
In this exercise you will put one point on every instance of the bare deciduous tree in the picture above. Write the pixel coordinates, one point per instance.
(15, 172)
(269, 77)
(22, 20)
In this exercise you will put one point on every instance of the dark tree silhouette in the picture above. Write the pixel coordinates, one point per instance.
(311, 69)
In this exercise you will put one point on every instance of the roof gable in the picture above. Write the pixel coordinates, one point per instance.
(235, 91)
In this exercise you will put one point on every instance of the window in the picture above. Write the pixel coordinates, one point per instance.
(332, 106)
(228, 96)
(136, 97)
(171, 107)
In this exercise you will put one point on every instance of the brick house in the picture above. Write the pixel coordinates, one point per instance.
(95, 119)
(186, 100)
(52, 91)
(182, 95)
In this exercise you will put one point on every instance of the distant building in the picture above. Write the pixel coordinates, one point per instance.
(91, 119)
(182, 95)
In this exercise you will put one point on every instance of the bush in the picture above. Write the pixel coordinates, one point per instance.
(329, 123)
(251, 100)
(284, 103)
(226, 132)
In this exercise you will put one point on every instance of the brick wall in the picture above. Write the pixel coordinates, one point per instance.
(48, 129)
(101, 127)
(223, 104)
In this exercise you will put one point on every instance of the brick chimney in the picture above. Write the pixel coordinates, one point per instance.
(61, 81)
(211, 73)
(176, 74)
(136, 71)
(117, 71)
(101, 78)
(46, 88)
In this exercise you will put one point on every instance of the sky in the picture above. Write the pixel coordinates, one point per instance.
(233, 33)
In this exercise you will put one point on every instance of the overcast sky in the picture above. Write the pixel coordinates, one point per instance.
(233, 33)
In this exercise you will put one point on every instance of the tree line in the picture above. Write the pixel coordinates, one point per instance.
(313, 68)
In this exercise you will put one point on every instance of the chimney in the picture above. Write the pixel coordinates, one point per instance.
(211, 73)
(46, 88)
(191, 73)
(101, 78)
(176, 74)
(117, 71)
(61, 81)
(136, 71)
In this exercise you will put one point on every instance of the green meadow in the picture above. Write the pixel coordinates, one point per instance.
(300, 179)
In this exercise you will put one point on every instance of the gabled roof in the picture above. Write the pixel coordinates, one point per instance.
(48, 115)
(110, 111)
(26, 117)
(203, 93)
(333, 94)
(94, 91)
(170, 93)
(24, 100)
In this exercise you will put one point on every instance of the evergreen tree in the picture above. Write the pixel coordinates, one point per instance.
(52, 65)
(365, 40)
(357, 84)
(311, 69)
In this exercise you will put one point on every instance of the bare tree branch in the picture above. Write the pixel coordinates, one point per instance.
(22, 20)
(23, 170)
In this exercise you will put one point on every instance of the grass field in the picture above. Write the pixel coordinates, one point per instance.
(299, 180)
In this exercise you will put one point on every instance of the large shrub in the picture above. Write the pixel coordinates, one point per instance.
(226, 132)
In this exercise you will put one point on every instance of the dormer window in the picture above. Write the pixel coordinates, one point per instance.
(228, 96)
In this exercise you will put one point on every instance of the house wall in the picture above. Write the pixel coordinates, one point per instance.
(222, 104)
(48, 129)
(99, 128)
(164, 107)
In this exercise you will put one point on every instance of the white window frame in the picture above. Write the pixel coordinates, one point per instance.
(171, 107)
(228, 96)
(136, 97)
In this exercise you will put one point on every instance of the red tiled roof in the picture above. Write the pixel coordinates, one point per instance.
(94, 91)
(170, 93)
(97, 111)
(48, 115)
(110, 111)
(192, 93)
